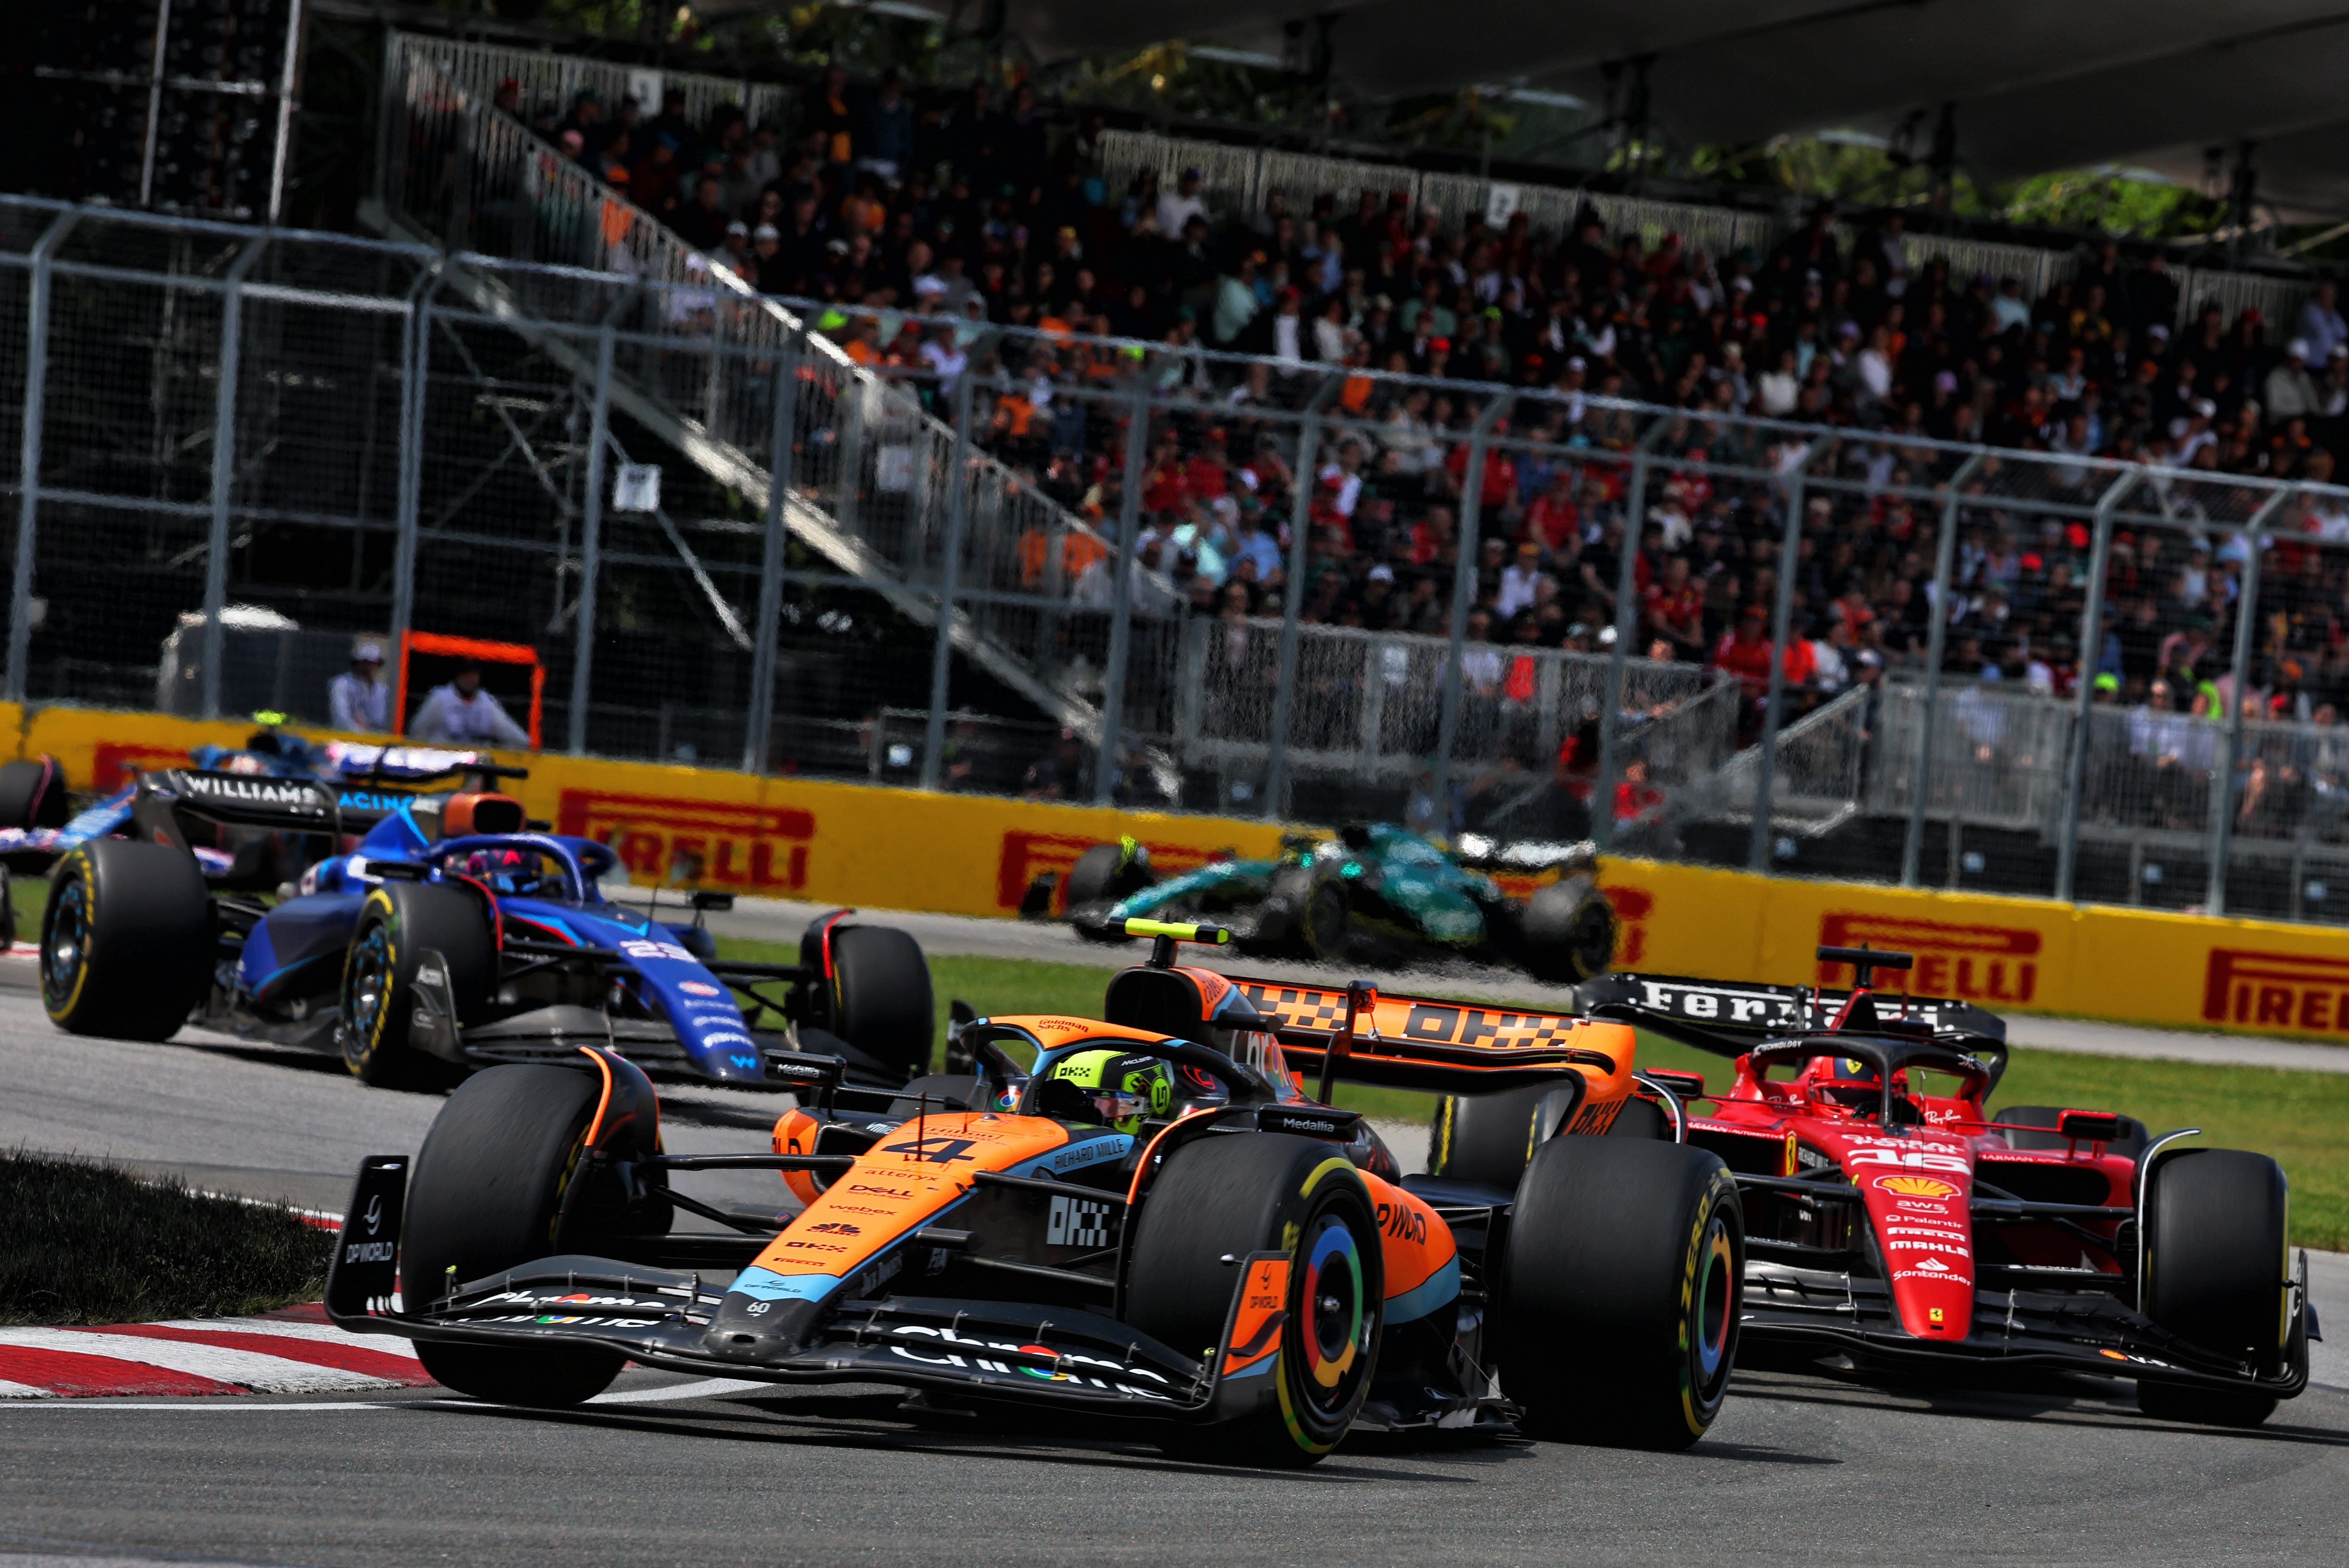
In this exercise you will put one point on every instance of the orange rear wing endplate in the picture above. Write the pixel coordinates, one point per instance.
(1431, 1043)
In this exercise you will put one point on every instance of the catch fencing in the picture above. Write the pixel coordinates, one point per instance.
(1003, 566)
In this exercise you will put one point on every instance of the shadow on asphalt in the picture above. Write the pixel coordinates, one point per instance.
(825, 1421)
(2017, 1401)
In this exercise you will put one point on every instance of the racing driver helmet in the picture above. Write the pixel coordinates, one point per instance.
(1109, 1088)
(1857, 1086)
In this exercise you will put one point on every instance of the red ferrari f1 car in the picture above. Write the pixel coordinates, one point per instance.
(1893, 1217)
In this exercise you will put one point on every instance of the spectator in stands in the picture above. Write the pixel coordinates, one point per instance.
(357, 701)
(461, 713)
(702, 225)
(1180, 205)
(828, 120)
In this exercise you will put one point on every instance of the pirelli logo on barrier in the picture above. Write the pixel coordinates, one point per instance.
(669, 839)
(1971, 963)
(2283, 990)
(1025, 855)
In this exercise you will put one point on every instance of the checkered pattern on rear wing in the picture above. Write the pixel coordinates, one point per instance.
(1431, 1042)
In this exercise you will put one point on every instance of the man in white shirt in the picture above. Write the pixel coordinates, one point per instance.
(461, 712)
(2321, 325)
(1180, 205)
(358, 700)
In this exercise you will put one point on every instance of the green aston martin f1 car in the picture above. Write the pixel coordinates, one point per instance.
(1375, 893)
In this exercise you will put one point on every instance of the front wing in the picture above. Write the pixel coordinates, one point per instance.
(2085, 1331)
(1046, 1355)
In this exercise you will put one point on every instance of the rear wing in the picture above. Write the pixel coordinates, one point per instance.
(1728, 1018)
(1430, 1042)
(296, 804)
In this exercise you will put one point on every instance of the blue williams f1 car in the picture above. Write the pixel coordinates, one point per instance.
(444, 933)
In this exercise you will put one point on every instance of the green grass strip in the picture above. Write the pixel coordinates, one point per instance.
(90, 1243)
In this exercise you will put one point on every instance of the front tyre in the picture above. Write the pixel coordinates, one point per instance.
(1228, 1197)
(2216, 1262)
(398, 924)
(127, 942)
(487, 1195)
(1623, 1285)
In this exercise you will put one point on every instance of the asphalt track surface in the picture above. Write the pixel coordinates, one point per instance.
(1813, 1466)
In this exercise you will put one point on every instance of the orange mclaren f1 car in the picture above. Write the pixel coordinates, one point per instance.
(1139, 1215)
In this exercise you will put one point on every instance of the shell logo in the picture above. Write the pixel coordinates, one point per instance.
(1915, 1187)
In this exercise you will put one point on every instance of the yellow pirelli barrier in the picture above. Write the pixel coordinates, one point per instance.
(975, 854)
(2009, 955)
(705, 827)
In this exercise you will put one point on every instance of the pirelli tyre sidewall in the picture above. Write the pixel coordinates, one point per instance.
(2217, 1256)
(399, 922)
(1622, 1291)
(127, 939)
(489, 1192)
(1227, 1197)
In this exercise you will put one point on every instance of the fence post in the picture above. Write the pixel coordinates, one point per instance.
(1121, 610)
(1610, 714)
(758, 731)
(1463, 594)
(415, 373)
(591, 540)
(934, 736)
(232, 346)
(1782, 617)
(2222, 787)
(1945, 557)
(28, 494)
(2092, 642)
(1292, 597)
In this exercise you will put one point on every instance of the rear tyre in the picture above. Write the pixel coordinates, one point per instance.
(487, 1195)
(1322, 923)
(2131, 1141)
(399, 921)
(1568, 931)
(948, 1092)
(2216, 1260)
(1488, 1137)
(1265, 1192)
(33, 793)
(1635, 1251)
(1641, 1118)
(127, 942)
(881, 996)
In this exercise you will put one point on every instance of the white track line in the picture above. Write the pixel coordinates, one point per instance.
(707, 1388)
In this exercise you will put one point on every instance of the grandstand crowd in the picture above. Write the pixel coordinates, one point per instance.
(919, 215)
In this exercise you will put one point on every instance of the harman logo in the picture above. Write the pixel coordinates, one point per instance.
(1972, 963)
(2289, 990)
(669, 839)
